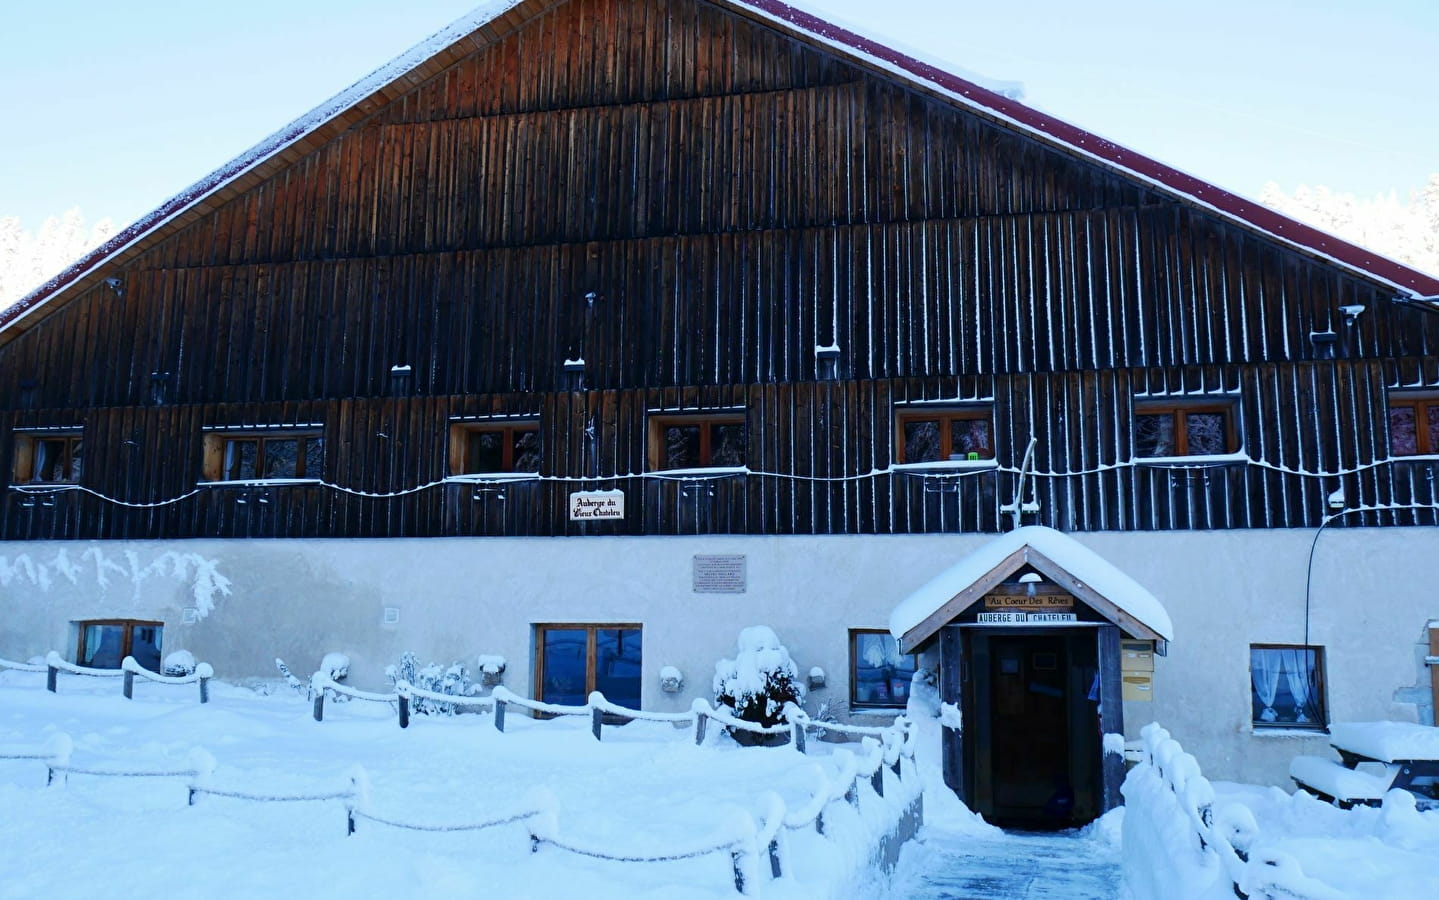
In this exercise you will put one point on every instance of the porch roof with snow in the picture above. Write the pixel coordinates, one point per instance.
(1057, 556)
(496, 20)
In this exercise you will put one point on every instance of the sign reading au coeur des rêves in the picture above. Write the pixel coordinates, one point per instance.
(586, 505)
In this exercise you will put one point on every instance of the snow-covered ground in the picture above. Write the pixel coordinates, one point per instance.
(645, 789)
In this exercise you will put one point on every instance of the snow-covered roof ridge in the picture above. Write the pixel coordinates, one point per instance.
(1100, 575)
(997, 100)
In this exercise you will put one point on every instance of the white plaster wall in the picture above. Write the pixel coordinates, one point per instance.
(1373, 591)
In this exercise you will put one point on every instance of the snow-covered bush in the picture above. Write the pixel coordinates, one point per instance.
(758, 682)
(178, 664)
(335, 665)
(435, 678)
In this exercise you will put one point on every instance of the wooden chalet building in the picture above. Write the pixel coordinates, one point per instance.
(592, 331)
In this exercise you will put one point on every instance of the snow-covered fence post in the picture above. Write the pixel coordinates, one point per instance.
(128, 686)
(701, 710)
(317, 690)
(402, 689)
(204, 672)
(742, 854)
(358, 798)
(597, 719)
(60, 749)
(52, 674)
(797, 720)
(202, 767)
(500, 714)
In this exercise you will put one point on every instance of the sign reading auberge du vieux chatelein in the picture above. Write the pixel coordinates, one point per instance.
(597, 505)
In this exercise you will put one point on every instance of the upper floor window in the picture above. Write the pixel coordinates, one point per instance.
(48, 457)
(1184, 429)
(930, 435)
(1287, 686)
(482, 448)
(1413, 424)
(697, 441)
(260, 455)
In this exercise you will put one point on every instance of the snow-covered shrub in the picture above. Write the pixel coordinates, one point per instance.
(178, 664)
(335, 665)
(758, 682)
(923, 702)
(435, 678)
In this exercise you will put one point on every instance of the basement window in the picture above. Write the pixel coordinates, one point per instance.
(1287, 686)
(879, 675)
(104, 643)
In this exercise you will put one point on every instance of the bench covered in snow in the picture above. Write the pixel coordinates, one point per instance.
(1337, 783)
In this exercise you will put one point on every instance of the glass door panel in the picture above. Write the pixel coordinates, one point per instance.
(564, 670)
(617, 665)
(104, 646)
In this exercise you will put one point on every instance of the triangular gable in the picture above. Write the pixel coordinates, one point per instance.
(1060, 558)
(496, 20)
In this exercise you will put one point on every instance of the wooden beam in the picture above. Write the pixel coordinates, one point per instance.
(1101, 604)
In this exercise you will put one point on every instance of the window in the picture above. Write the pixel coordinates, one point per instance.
(934, 436)
(1413, 424)
(879, 675)
(697, 441)
(104, 644)
(1287, 686)
(573, 660)
(48, 458)
(500, 447)
(1184, 430)
(261, 455)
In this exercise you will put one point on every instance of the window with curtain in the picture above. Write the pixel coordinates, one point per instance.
(1287, 686)
(879, 675)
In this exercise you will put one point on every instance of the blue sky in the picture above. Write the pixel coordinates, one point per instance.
(113, 107)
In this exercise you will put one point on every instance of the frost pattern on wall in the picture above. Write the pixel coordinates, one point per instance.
(203, 575)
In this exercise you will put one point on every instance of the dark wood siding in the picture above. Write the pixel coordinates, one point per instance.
(692, 203)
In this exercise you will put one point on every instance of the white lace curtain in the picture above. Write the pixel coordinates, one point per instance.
(1266, 666)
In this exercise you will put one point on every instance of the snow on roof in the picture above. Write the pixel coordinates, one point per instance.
(1386, 741)
(1075, 558)
(997, 100)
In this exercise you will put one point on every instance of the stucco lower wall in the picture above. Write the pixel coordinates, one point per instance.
(1372, 593)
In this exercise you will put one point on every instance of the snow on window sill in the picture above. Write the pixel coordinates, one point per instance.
(260, 482)
(939, 467)
(700, 472)
(1293, 733)
(44, 487)
(1196, 461)
(486, 477)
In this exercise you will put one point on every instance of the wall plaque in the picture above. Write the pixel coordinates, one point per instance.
(719, 574)
(587, 505)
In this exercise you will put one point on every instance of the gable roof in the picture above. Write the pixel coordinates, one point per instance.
(1057, 556)
(496, 20)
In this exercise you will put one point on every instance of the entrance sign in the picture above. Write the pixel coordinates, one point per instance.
(586, 505)
(1039, 602)
(1023, 618)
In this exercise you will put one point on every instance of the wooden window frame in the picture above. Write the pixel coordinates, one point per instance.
(706, 421)
(23, 468)
(591, 630)
(127, 640)
(216, 442)
(854, 701)
(1421, 402)
(461, 432)
(1180, 411)
(1321, 690)
(945, 415)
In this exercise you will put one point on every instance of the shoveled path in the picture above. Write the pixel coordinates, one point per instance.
(961, 865)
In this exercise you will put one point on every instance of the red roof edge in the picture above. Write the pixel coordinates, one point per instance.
(1255, 214)
(1261, 217)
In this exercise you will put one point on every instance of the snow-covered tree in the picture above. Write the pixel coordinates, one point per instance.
(28, 259)
(1407, 230)
(759, 681)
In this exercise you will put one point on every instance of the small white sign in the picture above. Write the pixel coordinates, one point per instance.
(586, 505)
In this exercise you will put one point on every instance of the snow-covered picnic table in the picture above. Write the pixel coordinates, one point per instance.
(1376, 757)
